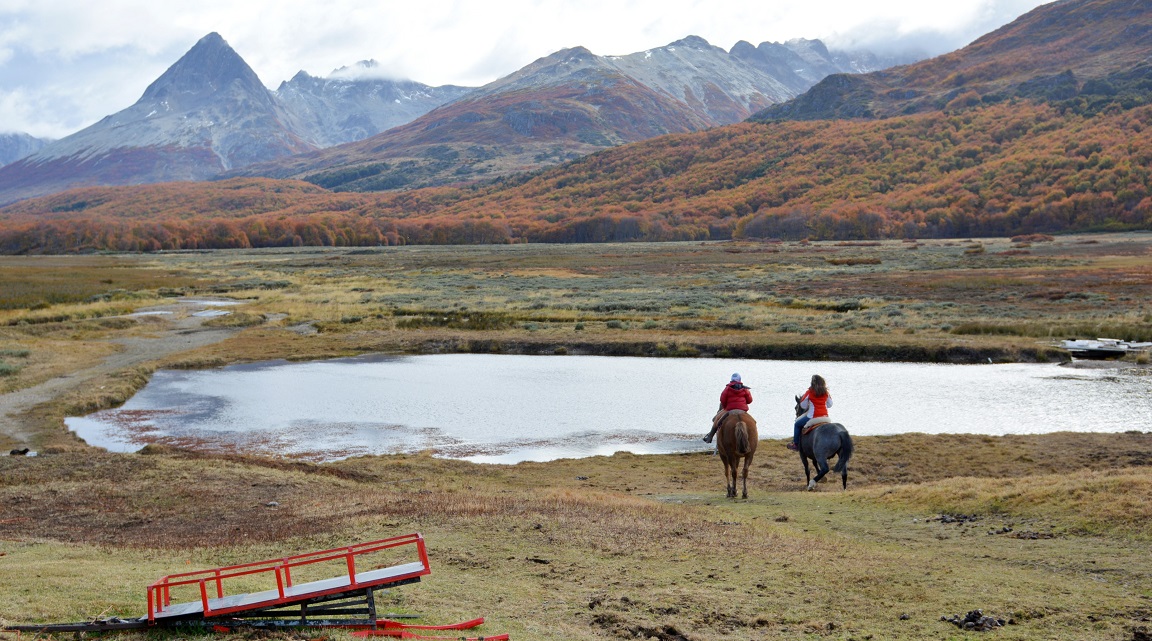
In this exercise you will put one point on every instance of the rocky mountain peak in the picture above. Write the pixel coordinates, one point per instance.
(572, 54)
(817, 46)
(362, 69)
(743, 49)
(209, 67)
(692, 42)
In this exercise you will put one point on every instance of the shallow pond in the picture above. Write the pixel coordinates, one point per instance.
(505, 409)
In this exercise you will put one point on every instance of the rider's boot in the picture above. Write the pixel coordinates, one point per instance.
(708, 439)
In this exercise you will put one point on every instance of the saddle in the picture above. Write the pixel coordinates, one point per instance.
(813, 423)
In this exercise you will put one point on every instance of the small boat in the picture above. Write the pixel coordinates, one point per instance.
(1102, 347)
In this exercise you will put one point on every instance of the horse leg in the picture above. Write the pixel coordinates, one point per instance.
(747, 464)
(727, 474)
(733, 473)
(807, 472)
(821, 469)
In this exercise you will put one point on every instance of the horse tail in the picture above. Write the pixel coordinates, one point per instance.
(742, 438)
(845, 452)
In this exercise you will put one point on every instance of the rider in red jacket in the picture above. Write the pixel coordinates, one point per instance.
(736, 396)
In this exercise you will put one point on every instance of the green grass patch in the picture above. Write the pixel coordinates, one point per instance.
(57, 280)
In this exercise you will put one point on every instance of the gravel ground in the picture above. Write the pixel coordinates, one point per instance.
(183, 331)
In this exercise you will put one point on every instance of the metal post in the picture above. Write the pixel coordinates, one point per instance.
(279, 582)
(204, 596)
(423, 553)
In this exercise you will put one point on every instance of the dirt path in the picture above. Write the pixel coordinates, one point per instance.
(183, 331)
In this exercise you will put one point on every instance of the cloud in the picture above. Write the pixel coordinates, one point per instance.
(954, 26)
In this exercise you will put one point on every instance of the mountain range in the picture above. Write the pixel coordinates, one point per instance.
(569, 104)
(1043, 126)
(209, 115)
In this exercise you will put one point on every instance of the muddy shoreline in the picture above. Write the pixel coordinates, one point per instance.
(817, 351)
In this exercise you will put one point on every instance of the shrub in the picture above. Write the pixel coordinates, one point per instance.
(416, 319)
(1032, 238)
(235, 319)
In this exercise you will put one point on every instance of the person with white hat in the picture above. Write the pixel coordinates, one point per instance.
(736, 396)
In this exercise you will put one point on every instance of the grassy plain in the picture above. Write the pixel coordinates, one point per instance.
(1046, 531)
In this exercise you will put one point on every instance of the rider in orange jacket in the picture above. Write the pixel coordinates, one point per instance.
(816, 400)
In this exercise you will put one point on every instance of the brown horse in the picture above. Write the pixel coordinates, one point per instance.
(736, 438)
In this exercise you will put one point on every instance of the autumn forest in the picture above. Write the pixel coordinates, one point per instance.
(981, 170)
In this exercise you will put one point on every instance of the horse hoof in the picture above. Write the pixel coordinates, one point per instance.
(811, 485)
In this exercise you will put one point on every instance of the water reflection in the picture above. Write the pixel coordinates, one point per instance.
(495, 408)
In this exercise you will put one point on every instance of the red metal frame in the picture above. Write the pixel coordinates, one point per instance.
(160, 595)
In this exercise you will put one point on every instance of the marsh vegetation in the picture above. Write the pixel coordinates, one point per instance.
(1048, 531)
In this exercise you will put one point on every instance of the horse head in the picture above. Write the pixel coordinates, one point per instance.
(798, 409)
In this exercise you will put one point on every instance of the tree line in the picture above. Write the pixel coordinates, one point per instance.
(988, 170)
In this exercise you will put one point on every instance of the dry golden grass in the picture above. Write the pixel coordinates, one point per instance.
(608, 547)
(1086, 501)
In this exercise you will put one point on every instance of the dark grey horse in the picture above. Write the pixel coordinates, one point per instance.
(827, 440)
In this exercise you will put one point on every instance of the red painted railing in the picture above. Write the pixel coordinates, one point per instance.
(160, 592)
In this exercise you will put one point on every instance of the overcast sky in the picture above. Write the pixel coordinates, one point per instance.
(65, 64)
